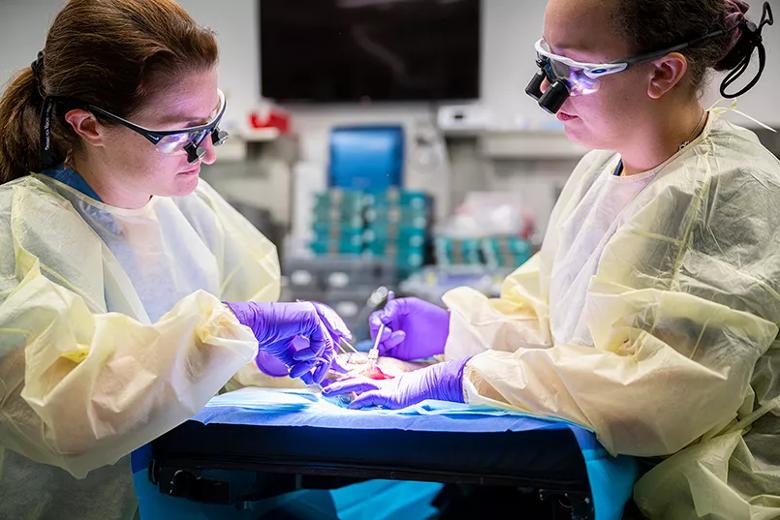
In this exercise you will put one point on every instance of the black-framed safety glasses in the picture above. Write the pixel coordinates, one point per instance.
(168, 142)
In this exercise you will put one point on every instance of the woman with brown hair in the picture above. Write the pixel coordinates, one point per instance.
(116, 260)
(651, 313)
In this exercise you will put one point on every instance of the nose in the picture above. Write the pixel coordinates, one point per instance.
(211, 155)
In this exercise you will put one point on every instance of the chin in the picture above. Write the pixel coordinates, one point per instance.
(577, 135)
(184, 185)
(582, 136)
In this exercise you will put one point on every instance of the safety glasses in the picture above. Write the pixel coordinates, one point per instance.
(568, 77)
(172, 142)
(582, 78)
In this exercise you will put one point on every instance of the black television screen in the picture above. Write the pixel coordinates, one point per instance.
(357, 50)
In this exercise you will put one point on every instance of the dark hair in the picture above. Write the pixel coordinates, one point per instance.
(109, 53)
(652, 25)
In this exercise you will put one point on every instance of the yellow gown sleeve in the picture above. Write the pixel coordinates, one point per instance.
(96, 386)
(665, 370)
(684, 303)
(518, 318)
(81, 387)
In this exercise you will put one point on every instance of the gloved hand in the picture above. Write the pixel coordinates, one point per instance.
(442, 381)
(293, 338)
(414, 328)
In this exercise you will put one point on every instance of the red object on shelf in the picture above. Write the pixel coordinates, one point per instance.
(271, 118)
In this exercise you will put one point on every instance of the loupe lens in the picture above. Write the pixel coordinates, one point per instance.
(534, 88)
(554, 97)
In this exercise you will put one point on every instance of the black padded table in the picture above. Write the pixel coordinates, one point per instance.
(231, 455)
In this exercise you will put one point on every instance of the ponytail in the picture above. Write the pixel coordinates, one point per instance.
(20, 114)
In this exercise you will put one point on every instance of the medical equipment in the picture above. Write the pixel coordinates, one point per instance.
(351, 363)
(394, 224)
(356, 364)
(568, 77)
(373, 354)
(372, 370)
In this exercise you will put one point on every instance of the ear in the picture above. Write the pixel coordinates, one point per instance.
(667, 72)
(86, 126)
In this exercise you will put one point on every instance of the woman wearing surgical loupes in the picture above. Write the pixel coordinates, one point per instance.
(116, 259)
(651, 313)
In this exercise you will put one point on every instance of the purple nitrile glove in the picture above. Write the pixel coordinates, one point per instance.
(414, 328)
(268, 362)
(300, 336)
(442, 381)
(333, 322)
(271, 365)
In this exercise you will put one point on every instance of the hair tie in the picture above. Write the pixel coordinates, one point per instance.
(37, 70)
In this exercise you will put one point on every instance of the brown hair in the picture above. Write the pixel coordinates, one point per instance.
(109, 53)
(652, 25)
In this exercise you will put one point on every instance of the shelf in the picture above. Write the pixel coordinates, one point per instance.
(235, 149)
(256, 135)
(529, 144)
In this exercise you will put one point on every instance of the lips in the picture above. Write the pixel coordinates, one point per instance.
(190, 171)
(563, 116)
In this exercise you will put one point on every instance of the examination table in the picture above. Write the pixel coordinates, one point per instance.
(248, 451)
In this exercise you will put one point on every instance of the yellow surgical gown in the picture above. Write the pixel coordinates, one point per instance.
(112, 332)
(651, 315)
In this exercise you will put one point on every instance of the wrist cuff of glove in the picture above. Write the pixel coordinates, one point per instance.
(253, 315)
(451, 374)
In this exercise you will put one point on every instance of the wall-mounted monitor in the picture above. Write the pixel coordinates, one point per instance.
(369, 50)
